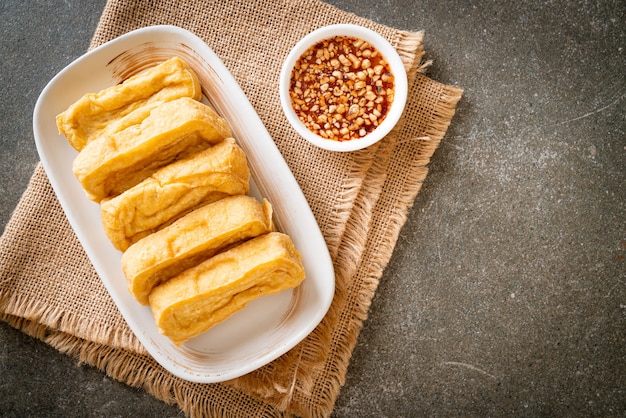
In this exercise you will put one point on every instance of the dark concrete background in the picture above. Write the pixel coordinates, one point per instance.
(506, 294)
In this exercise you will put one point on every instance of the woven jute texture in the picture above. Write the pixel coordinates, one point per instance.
(49, 289)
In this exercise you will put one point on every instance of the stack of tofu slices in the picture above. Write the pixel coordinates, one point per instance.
(173, 188)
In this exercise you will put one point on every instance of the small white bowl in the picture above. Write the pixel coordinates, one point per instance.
(397, 68)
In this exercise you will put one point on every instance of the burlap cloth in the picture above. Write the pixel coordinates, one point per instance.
(49, 289)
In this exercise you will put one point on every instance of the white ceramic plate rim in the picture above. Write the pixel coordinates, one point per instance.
(384, 47)
(268, 327)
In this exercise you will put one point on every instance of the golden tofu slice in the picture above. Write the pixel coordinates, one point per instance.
(202, 296)
(174, 191)
(112, 164)
(126, 104)
(192, 239)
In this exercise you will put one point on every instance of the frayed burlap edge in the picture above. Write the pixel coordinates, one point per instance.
(378, 249)
(40, 190)
(58, 319)
(410, 48)
(141, 371)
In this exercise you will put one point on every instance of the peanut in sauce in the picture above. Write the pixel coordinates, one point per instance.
(341, 88)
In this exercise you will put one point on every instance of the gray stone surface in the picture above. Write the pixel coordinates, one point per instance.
(506, 294)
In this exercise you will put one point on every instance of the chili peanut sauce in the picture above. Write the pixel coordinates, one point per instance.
(341, 88)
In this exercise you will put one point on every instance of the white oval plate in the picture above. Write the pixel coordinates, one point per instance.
(267, 327)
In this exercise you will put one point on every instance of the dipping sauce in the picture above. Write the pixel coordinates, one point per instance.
(341, 88)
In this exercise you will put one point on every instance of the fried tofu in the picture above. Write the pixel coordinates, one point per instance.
(112, 164)
(192, 239)
(118, 107)
(174, 191)
(205, 295)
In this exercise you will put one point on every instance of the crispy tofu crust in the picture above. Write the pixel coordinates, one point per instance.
(110, 165)
(174, 191)
(192, 239)
(126, 104)
(202, 296)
